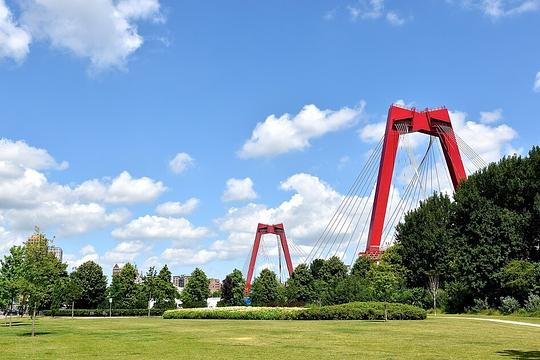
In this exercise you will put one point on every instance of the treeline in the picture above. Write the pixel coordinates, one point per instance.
(484, 246)
(478, 251)
(34, 279)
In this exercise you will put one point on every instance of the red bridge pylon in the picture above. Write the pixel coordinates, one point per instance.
(434, 122)
(263, 229)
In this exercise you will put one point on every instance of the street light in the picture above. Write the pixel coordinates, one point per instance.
(110, 307)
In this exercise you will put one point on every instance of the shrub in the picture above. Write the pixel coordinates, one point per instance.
(533, 303)
(103, 312)
(479, 306)
(509, 305)
(350, 311)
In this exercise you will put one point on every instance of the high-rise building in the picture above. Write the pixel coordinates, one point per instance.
(214, 285)
(180, 281)
(57, 252)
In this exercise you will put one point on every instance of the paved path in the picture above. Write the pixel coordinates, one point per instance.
(519, 323)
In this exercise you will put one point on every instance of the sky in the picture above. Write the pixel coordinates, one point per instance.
(162, 131)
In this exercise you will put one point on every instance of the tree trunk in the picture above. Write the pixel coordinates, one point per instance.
(435, 304)
(72, 309)
(34, 322)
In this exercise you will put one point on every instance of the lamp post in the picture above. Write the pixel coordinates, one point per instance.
(110, 307)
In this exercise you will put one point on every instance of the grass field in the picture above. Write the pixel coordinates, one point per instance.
(155, 338)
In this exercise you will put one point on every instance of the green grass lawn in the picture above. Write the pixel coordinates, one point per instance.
(155, 338)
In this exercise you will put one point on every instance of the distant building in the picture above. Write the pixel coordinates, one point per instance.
(57, 252)
(214, 285)
(180, 281)
(116, 270)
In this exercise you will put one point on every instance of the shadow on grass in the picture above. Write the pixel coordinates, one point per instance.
(38, 333)
(516, 354)
(16, 323)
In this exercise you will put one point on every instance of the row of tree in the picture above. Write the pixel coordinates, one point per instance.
(485, 244)
(34, 279)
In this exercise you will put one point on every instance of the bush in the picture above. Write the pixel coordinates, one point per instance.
(479, 306)
(350, 311)
(509, 305)
(103, 312)
(533, 303)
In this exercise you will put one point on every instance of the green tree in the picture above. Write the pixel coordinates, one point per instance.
(93, 282)
(315, 267)
(11, 273)
(196, 291)
(73, 291)
(125, 290)
(299, 288)
(425, 239)
(519, 278)
(266, 289)
(232, 289)
(383, 283)
(166, 293)
(361, 267)
(41, 276)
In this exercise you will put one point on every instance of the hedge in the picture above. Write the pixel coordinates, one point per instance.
(351, 311)
(103, 312)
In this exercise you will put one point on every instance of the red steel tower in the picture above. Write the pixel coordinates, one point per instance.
(263, 229)
(434, 122)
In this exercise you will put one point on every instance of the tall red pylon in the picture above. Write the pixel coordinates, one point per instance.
(263, 229)
(434, 122)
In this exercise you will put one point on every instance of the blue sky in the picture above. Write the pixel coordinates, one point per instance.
(100, 96)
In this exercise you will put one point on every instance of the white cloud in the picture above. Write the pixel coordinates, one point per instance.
(181, 162)
(87, 253)
(126, 251)
(176, 208)
(14, 41)
(123, 189)
(537, 82)
(279, 135)
(312, 201)
(67, 218)
(372, 133)
(103, 31)
(373, 10)
(159, 228)
(238, 190)
(140, 9)
(395, 19)
(490, 142)
(181, 256)
(496, 9)
(21, 154)
(489, 117)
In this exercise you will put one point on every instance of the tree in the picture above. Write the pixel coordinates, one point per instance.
(424, 239)
(150, 285)
(93, 282)
(361, 267)
(125, 290)
(383, 283)
(266, 289)
(315, 268)
(299, 288)
(519, 278)
(11, 272)
(165, 291)
(41, 275)
(232, 289)
(433, 286)
(72, 291)
(196, 291)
